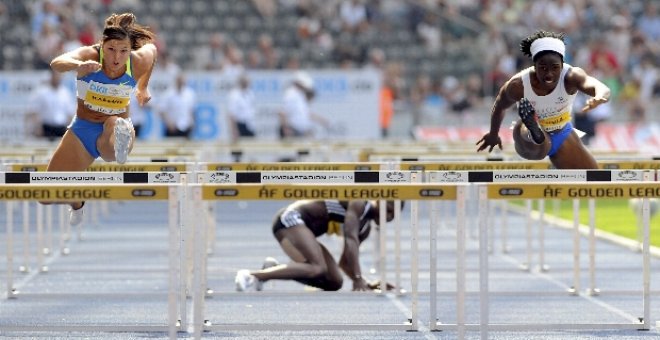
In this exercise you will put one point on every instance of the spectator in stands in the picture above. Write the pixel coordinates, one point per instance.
(241, 110)
(167, 68)
(387, 96)
(266, 8)
(562, 16)
(587, 121)
(457, 98)
(649, 22)
(296, 228)
(107, 73)
(376, 59)
(253, 60)
(44, 13)
(177, 108)
(53, 106)
(233, 67)
(419, 92)
(48, 45)
(69, 33)
(430, 34)
(545, 92)
(296, 117)
(88, 32)
(353, 16)
(212, 55)
(269, 54)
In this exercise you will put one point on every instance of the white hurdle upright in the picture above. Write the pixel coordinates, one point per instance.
(62, 187)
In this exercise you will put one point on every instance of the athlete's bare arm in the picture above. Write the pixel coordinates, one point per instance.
(578, 79)
(350, 258)
(145, 59)
(509, 94)
(84, 60)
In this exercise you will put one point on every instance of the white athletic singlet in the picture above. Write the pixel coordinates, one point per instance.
(554, 109)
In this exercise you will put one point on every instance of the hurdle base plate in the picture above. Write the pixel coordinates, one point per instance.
(592, 291)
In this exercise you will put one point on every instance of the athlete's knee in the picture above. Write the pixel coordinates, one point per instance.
(317, 271)
(110, 122)
(527, 148)
(334, 284)
(532, 152)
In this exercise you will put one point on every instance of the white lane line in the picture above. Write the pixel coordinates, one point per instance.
(563, 286)
(405, 311)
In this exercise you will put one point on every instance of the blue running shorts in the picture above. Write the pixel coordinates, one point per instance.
(87, 132)
(558, 138)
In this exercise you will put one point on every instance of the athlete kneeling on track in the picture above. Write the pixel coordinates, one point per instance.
(296, 228)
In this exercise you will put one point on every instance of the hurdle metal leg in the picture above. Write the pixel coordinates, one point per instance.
(11, 292)
(433, 265)
(414, 264)
(26, 238)
(460, 262)
(176, 196)
(528, 235)
(49, 230)
(505, 226)
(592, 290)
(382, 211)
(40, 239)
(397, 247)
(484, 300)
(542, 266)
(575, 290)
(199, 233)
(646, 263)
(64, 230)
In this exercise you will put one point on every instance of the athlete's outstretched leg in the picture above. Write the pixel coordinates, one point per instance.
(526, 147)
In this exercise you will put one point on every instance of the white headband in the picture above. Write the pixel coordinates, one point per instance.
(548, 44)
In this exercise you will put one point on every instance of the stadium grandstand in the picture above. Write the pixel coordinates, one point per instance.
(445, 59)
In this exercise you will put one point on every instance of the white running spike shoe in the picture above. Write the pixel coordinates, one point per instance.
(244, 280)
(76, 216)
(268, 262)
(123, 138)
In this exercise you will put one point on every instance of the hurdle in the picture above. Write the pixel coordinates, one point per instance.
(291, 166)
(98, 173)
(600, 190)
(65, 228)
(529, 176)
(380, 191)
(524, 165)
(314, 177)
(318, 166)
(172, 193)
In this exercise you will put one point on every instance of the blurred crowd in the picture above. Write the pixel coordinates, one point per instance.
(617, 41)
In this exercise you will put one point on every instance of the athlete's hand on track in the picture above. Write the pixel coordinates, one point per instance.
(360, 284)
